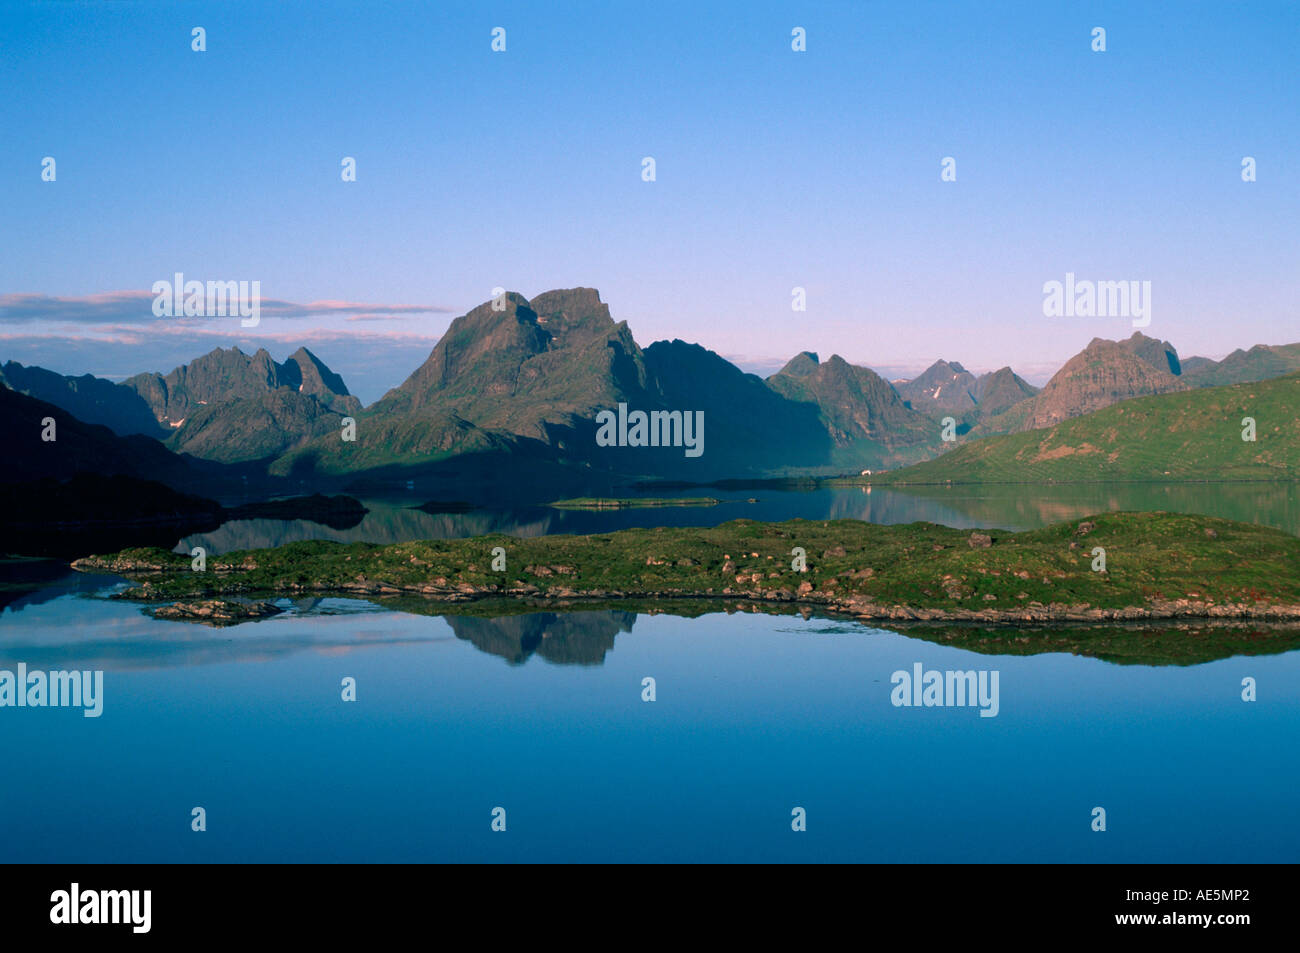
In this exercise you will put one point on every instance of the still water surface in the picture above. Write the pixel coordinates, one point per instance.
(543, 715)
(1002, 507)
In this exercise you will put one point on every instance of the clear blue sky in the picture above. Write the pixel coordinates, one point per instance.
(775, 169)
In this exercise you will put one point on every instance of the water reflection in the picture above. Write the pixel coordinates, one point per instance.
(98, 632)
(964, 507)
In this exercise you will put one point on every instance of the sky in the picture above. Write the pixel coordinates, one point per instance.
(522, 169)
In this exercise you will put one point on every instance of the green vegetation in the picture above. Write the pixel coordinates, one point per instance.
(606, 503)
(1158, 565)
(1121, 644)
(1189, 435)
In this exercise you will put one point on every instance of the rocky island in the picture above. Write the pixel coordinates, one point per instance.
(1123, 567)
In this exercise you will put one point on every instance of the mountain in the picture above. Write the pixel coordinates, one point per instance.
(948, 389)
(90, 399)
(999, 390)
(749, 425)
(516, 380)
(867, 420)
(233, 407)
(531, 379)
(526, 381)
(540, 369)
(1103, 373)
(255, 427)
(1159, 354)
(309, 374)
(944, 387)
(1185, 435)
(91, 512)
(228, 374)
(77, 446)
(513, 391)
(1193, 366)
(1261, 362)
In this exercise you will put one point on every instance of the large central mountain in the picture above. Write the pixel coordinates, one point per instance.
(536, 369)
(532, 377)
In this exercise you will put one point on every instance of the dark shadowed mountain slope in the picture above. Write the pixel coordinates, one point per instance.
(865, 417)
(749, 426)
(76, 447)
(92, 400)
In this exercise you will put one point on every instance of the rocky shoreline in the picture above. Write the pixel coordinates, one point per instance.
(1162, 567)
(216, 611)
(1033, 615)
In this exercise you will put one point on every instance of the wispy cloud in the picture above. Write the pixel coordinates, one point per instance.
(136, 308)
(130, 334)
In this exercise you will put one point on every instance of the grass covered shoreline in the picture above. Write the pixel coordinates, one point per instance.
(610, 503)
(1158, 566)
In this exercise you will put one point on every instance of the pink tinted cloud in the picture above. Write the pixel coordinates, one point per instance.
(133, 307)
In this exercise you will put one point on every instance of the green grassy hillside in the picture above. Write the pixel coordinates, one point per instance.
(1191, 435)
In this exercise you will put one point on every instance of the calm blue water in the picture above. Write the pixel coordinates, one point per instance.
(965, 507)
(543, 716)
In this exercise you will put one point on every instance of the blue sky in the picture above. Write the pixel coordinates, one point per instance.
(775, 169)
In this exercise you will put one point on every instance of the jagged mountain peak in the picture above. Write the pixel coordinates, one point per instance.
(226, 375)
(801, 365)
(943, 386)
(1102, 374)
(314, 376)
(1159, 354)
(505, 362)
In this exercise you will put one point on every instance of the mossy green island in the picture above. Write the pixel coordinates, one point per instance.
(608, 503)
(1156, 566)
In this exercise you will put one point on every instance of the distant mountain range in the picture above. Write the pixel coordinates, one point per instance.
(519, 379)
(1259, 363)
(948, 388)
(1190, 434)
